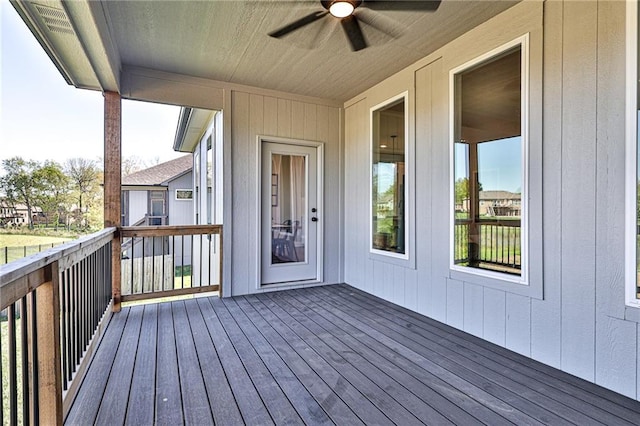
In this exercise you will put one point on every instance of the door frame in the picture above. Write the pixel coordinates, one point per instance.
(260, 139)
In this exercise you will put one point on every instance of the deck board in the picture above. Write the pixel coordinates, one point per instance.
(196, 408)
(521, 373)
(249, 401)
(275, 400)
(411, 392)
(324, 355)
(168, 397)
(529, 401)
(223, 405)
(141, 404)
(352, 364)
(308, 408)
(87, 403)
(113, 408)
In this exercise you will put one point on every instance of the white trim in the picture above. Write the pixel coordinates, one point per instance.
(631, 151)
(408, 212)
(320, 206)
(523, 279)
(183, 190)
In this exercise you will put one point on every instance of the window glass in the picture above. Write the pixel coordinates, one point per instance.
(488, 172)
(388, 178)
(184, 194)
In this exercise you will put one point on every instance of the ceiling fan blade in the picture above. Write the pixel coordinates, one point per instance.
(408, 5)
(380, 22)
(354, 32)
(298, 24)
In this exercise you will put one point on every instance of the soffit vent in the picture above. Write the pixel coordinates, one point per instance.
(56, 19)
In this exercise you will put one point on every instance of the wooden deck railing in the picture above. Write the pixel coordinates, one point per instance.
(57, 304)
(160, 261)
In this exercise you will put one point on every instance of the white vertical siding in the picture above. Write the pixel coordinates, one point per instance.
(578, 323)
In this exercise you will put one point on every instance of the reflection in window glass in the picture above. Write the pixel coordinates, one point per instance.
(288, 207)
(488, 174)
(388, 178)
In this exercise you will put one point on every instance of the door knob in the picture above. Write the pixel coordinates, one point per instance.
(313, 210)
(314, 219)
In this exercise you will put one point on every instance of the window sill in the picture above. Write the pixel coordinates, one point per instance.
(498, 281)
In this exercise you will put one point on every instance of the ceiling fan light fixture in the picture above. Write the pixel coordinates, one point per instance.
(341, 9)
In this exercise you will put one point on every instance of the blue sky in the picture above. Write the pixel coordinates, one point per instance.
(499, 164)
(41, 117)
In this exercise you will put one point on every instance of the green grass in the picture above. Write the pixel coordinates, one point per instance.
(17, 246)
(4, 335)
(14, 240)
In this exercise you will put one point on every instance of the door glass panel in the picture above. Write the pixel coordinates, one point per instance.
(288, 207)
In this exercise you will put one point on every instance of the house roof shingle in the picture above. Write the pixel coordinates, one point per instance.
(160, 174)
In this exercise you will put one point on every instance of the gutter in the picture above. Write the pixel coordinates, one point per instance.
(181, 130)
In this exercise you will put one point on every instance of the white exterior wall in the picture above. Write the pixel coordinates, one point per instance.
(577, 321)
(180, 211)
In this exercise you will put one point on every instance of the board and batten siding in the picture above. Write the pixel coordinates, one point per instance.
(578, 324)
(254, 115)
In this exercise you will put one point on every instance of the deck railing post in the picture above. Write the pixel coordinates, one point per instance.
(112, 184)
(49, 364)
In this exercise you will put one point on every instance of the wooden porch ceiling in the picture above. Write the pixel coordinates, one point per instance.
(104, 43)
(321, 356)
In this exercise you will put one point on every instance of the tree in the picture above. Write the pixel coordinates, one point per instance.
(461, 190)
(131, 165)
(84, 175)
(56, 192)
(22, 183)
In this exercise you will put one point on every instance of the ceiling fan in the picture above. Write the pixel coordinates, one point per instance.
(346, 12)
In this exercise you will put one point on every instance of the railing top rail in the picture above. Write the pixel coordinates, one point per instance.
(167, 230)
(30, 272)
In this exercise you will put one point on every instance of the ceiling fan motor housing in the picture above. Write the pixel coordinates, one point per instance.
(327, 3)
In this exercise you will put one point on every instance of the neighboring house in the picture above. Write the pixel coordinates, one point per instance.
(159, 195)
(549, 86)
(496, 203)
(500, 203)
(18, 215)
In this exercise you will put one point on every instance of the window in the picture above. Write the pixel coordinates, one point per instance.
(157, 205)
(184, 194)
(632, 296)
(388, 171)
(488, 170)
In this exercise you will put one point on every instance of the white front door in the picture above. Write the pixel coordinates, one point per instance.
(289, 213)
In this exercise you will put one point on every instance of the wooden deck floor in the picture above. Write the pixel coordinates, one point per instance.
(321, 356)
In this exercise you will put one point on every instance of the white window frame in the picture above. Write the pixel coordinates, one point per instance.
(184, 190)
(408, 172)
(523, 279)
(631, 163)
